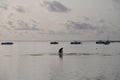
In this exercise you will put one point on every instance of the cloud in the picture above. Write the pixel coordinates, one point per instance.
(5, 27)
(117, 4)
(10, 23)
(117, 1)
(87, 18)
(101, 21)
(51, 32)
(25, 26)
(55, 6)
(79, 26)
(55, 32)
(20, 9)
(3, 6)
(100, 32)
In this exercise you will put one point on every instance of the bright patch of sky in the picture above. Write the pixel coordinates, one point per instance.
(59, 18)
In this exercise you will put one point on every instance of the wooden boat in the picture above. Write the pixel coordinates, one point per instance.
(76, 42)
(54, 42)
(103, 42)
(7, 43)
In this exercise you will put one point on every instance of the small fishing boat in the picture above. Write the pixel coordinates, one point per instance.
(76, 42)
(54, 42)
(103, 42)
(7, 43)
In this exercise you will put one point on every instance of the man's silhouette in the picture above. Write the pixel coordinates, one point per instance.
(60, 52)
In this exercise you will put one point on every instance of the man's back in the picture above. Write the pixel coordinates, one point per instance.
(60, 52)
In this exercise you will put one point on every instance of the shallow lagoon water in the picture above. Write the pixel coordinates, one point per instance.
(16, 63)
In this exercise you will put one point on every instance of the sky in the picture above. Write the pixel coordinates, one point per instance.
(59, 19)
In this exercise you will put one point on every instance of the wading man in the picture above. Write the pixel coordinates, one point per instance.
(60, 52)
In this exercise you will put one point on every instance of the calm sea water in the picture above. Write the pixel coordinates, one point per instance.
(17, 64)
(47, 48)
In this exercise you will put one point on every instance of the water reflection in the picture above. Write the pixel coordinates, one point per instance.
(47, 67)
(56, 71)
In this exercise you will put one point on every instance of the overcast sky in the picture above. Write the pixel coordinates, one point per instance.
(58, 19)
